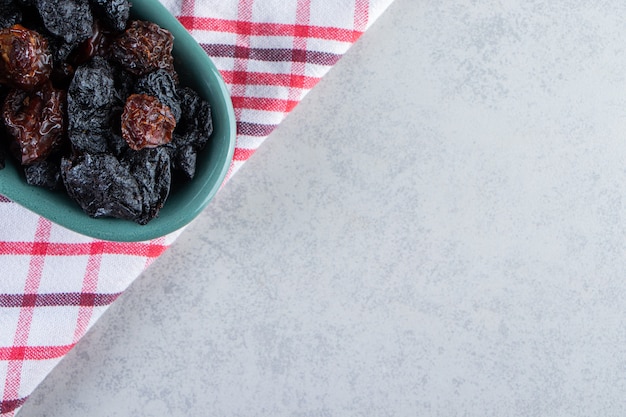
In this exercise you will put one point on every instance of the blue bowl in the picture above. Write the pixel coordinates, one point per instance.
(186, 201)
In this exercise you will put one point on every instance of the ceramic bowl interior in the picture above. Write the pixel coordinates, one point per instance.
(185, 201)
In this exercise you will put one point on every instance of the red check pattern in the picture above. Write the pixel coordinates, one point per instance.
(54, 283)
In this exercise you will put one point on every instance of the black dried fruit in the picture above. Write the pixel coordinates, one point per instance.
(146, 122)
(114, 13)
(62, 70)
(102, 186)
(10, 14)
(161, 85)
(96, 101)
(196, 125)
(144, 47)
(151, 169)
(91, 99)
(46, 174)
(185, 161)
(35, 122)
(71, 20)
(25, 59)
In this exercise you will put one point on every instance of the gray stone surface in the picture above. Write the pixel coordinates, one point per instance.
(437, 230)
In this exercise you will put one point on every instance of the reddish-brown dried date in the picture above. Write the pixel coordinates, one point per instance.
(25, 59)
(146, 122)
(35, 122)
(144, 47)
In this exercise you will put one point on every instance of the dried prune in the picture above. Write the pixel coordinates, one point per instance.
(3, 154)
(25, 59)
(60, 50)
(161, 85)
(35, 122)
(62, 70)
(90, 140)
(10, 14)
(124, 84)
(144, 47)
(114, 13)
(146, 122)
(192, 132)
(117, 144)
(44, 174)
(102, 186)
(196, 125)
(185, 161)
(91, 98)
(151, 169)
(71, 20)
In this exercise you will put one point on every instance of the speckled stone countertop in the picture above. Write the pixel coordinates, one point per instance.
(438, 229)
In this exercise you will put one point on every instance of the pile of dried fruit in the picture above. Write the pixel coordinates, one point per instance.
(91, 103)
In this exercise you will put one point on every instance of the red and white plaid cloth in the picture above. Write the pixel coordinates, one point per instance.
(55, 283)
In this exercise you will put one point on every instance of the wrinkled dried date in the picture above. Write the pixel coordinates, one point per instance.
(144, 47)
(35, 121)
(114, 12)
(151, 169)
(102, 186)
(146, 122)
(10, 14)
(69, 19)
(91, 98)
(44, 174)
(25, 59)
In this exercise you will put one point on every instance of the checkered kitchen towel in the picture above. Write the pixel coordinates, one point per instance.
(54, 283)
